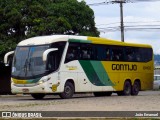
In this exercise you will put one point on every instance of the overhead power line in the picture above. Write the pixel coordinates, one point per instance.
(140, 22)
(109, 2)
(117, 1)
(131, 28)
(121, 10)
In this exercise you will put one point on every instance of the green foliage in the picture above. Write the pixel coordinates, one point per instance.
(21, 19)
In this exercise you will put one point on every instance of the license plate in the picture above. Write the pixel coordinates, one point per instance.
(25, 90)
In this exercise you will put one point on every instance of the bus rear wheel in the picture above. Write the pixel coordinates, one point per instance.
(135, 88)
(126, 89)
(98, 94)
(38, 96)
(68, 91)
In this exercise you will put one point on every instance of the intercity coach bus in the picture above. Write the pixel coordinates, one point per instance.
(64, 65)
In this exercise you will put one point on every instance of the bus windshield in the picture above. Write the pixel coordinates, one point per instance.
(28, 63)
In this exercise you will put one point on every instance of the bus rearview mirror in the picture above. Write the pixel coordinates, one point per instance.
(45, 53)
(6, 57)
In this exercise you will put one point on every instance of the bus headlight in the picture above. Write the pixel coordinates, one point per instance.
(44, 79)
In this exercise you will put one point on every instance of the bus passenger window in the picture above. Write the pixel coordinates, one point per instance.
(146, 54)
(86, 52)
(134, 54)
(107, 54)
(129, 57)
(86, 55)
(130, 54)
(72, 52)
(138, 57)
(117, 54)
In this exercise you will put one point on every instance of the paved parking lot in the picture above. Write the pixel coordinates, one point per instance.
(145, 101)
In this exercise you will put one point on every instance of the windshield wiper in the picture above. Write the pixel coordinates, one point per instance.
(30, 67)
(25, 66)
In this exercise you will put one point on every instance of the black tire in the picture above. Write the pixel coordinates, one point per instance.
(38, 96)
(135, 88)
(68, 91)
(126, 89)
(120, 93)
(99, 94)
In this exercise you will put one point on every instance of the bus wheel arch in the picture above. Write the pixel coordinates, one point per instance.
(127, 87)
(136, 87)
(69, 89)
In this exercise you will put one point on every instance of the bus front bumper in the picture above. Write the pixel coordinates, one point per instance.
(40, 88)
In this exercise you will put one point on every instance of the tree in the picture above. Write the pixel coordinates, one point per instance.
(21, 19)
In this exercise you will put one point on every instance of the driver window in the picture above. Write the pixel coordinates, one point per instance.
(52, 63)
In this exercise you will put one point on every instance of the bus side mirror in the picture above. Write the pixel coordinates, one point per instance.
(7, 57)
(45, 53)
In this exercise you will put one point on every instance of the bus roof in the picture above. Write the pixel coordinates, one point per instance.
(41, 40)
(115, 42)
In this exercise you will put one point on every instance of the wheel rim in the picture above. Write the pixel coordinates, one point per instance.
(136, 87)
(67, 90)
(127, 89)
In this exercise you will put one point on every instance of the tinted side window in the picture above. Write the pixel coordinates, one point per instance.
(87, 52)
(60, 46)
(133, 54)
(137, 54)
(117, 53)
(72, 52)
(54, 57)
(146, 54)
(101, 52)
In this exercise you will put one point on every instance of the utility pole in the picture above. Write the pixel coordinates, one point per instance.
(121, 12)
(121, 17)
(122, 25)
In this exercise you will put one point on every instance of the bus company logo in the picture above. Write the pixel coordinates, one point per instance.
(21, 115)
(71, 67)
(6, 114)
(124, 67)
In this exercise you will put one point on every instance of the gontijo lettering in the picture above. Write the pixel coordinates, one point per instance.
(124, 67)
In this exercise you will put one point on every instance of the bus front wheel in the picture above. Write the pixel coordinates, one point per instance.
(68, 91)
(135, 88)
(38, 96)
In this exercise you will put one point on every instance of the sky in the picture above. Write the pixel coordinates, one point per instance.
(137, 14)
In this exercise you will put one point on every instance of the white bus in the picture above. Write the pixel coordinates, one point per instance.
(64, 65)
